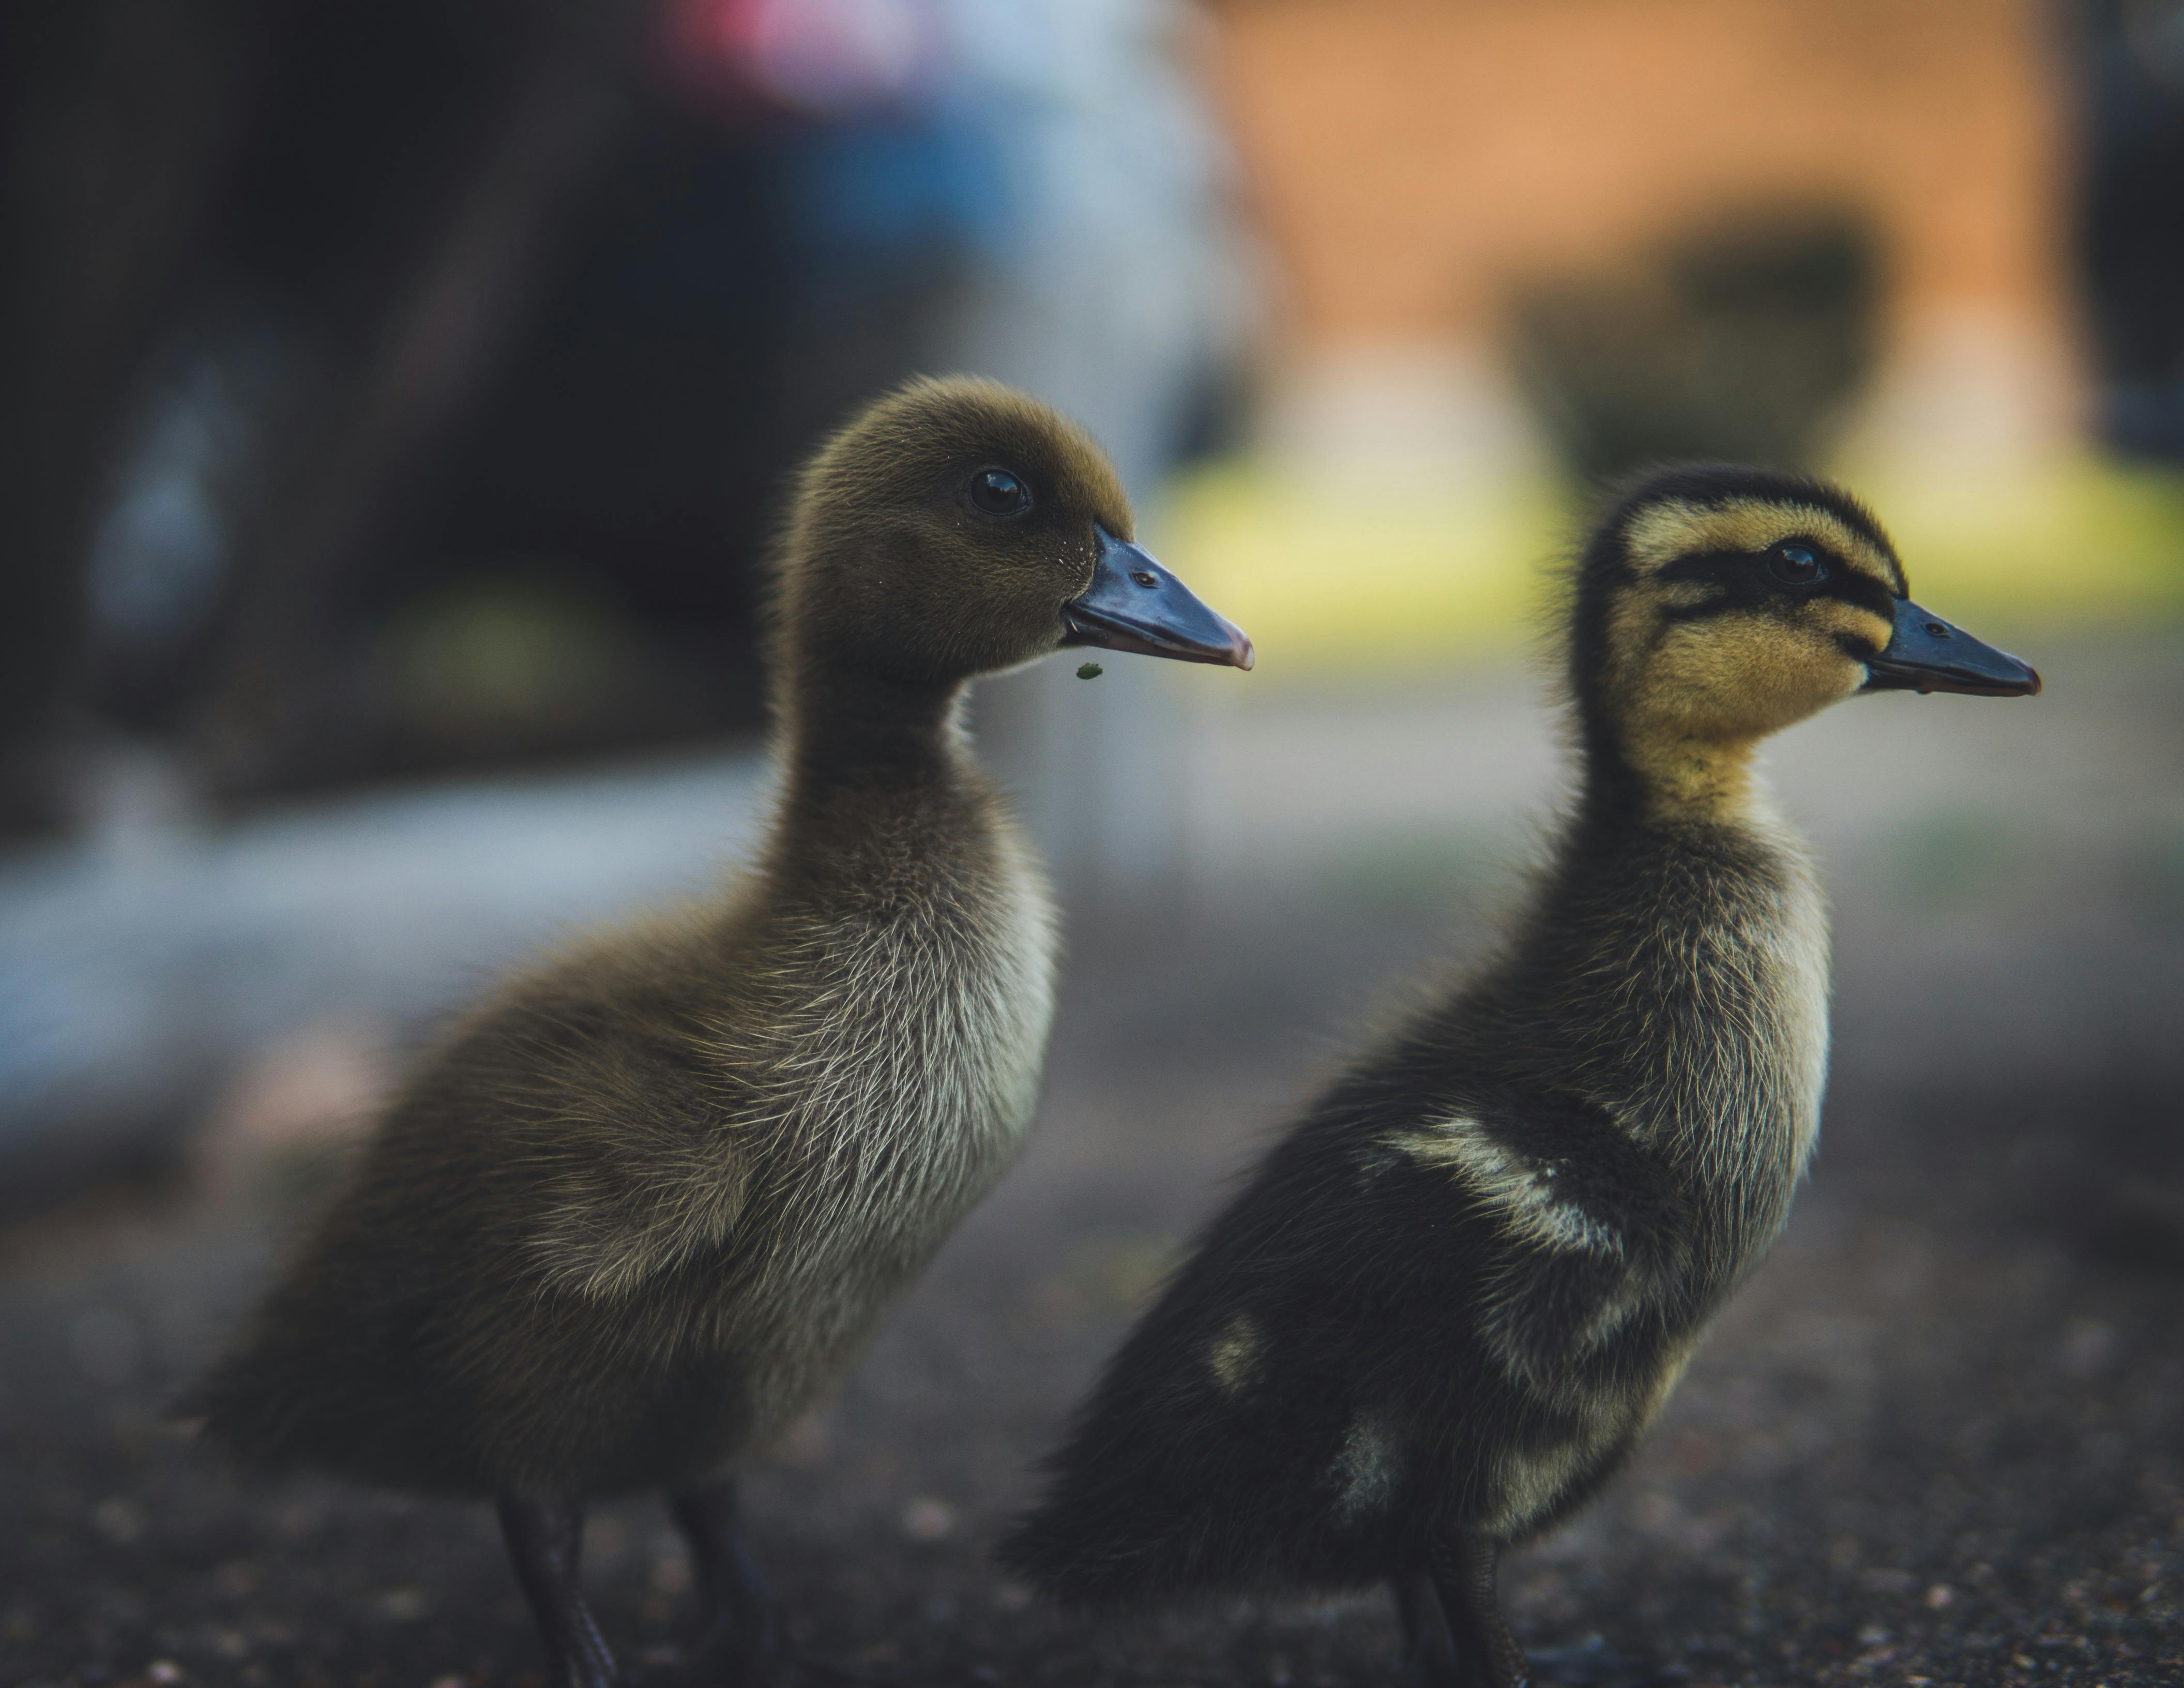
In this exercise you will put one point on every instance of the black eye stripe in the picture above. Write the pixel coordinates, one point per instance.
(1867, 595)
(1743, 584)
(1710, 566)
(1863, 590)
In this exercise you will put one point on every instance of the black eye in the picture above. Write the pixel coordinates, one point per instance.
(1796, 565)
(998, 492)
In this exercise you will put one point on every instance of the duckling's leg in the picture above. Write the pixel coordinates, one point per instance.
(545, 1539)
(1484, 1652)
(740, 1643)
(1428, 1650)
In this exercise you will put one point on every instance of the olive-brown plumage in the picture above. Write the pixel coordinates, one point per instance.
(1449, 1302)
(647, 1199)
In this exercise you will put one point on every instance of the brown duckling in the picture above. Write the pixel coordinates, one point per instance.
(1448, 1303)
(649, 1198)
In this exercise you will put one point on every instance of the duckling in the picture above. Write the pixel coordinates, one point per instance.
(645, 1201)
(1437, 1318)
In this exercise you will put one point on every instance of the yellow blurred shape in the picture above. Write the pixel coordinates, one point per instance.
(1329, 578)
(2072, 541)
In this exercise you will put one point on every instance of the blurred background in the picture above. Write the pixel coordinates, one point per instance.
(396, 401)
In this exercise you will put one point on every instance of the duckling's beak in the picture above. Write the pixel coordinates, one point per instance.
(1133, 604)
(1926, 653)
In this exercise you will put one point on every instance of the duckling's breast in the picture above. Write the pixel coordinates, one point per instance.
(881, 1109)
(1733, 1088)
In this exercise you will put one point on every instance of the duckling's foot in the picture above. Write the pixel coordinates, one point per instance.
(1429, 1652)
(1454, 1634)
(544, 1538)
(1592, 1663)
(739, 1646)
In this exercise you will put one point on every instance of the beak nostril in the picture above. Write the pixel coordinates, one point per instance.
(1145, 578)
(1939, 630)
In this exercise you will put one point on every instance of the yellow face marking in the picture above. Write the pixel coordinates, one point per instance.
(1740, 676)
(1692, 696)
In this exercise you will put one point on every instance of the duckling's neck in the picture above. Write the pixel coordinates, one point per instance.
(1670, 779)
(865, 735)
(1683, 941)
(1690, 781)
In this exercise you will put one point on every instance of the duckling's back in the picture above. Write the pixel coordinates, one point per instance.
(637, 1208)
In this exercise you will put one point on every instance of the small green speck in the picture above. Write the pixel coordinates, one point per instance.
(1089, 670)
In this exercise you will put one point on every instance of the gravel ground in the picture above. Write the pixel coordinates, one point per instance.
(1940, 1439)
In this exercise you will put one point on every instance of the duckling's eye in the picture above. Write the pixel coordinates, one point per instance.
(1796, 565)
(998, 492)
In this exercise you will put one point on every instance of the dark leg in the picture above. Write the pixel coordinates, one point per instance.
(1429, 1652)
(1487, 1654)
(544, 1538)
(739, 1643)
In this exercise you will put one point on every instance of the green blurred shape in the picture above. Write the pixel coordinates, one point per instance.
(1444, 871)
(508, 659)
(1953, 858)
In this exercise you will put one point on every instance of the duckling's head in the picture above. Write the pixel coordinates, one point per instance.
(956, 528)
(1717, 604)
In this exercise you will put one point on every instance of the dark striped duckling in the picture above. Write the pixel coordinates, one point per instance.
(1436, 1319)
(649, 1198)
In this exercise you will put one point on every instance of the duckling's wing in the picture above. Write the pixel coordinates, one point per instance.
(1586, 1225)
(638, 1197)
(621, 1162)
(1362, 1339)
(579, 1130)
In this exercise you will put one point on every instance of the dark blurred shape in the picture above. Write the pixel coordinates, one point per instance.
(534, 105)
(354, 345)
(1742, 339)
(2130, 217)
(121, 120)
(257, 260)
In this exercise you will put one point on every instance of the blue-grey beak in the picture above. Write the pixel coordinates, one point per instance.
(1133, 604)
(1926, 653)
